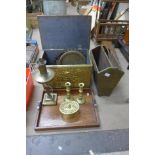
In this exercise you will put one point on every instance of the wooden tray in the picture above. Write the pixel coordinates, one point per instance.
(49, 117)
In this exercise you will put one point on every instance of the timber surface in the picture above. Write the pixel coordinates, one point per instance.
(49, 117)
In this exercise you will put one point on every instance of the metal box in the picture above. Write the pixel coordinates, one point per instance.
(60, 34)
(107, 71)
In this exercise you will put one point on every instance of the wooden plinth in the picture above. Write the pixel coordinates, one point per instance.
(49, 117)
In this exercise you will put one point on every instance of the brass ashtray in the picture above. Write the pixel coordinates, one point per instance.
(69, 110)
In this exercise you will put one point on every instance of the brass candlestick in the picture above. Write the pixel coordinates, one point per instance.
(69, 109)
(80, 98)
(43, 76)
(50, 98)
(68, 94)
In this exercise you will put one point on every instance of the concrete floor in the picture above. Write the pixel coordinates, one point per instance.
(79, 143)
(113, 110)
(115, 153)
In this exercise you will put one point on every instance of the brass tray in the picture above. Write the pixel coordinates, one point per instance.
(71, 58)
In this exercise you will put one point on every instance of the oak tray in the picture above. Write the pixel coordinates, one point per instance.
(49, 117)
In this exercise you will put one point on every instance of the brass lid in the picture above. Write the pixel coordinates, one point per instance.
(69, 109)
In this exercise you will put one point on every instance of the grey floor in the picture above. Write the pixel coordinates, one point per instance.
(79, 143)
(113, 110)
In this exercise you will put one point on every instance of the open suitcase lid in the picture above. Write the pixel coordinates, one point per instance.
(65, 32)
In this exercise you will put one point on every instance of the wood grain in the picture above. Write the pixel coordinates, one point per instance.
(49, 117)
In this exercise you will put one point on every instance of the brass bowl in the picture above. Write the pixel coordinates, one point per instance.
(69, 110)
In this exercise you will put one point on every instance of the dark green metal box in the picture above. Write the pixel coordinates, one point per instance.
(107, 71)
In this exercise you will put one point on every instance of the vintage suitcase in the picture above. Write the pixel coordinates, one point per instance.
(65, 41)
(107, 71)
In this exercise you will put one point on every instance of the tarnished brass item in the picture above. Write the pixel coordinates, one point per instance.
(80, 98)
(71, 58)
(73, 73)
(50, 98)
(69, 110)
(42, 76)
(68, 89)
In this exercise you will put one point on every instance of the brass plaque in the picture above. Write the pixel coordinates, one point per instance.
(71, 73)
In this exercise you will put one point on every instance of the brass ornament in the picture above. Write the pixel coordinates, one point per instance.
(80, 99)
(71, 58)
(50, 98)
(71, 73)
(69, 110)
(42, 76)
(68, 96)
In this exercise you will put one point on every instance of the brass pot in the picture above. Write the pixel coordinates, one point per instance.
(69, 110)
